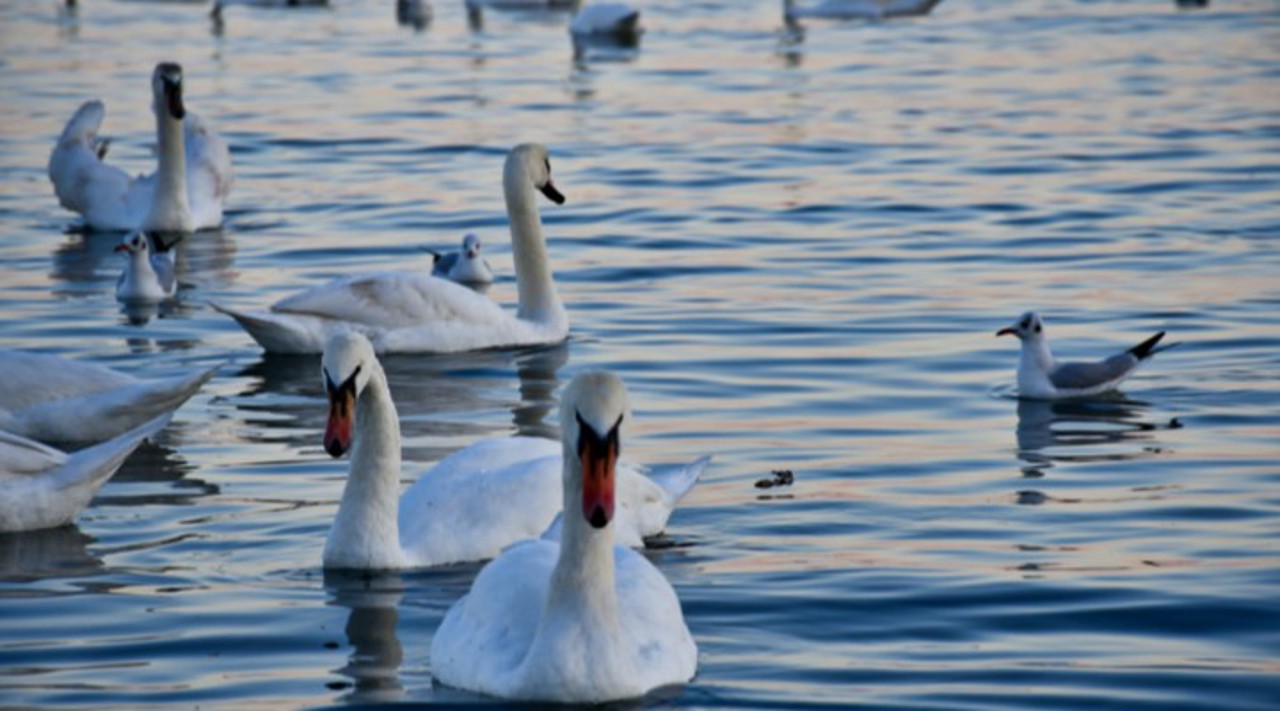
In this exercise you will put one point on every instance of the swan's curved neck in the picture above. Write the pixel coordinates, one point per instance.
(582, 584)
(170, 210)
(538, 298)
(365, 532)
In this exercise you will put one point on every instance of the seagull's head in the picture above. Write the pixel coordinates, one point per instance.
(135, 243)
(471, 246)
(1028, 327)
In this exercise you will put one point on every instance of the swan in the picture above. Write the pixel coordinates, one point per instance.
(578, 621)
(184, 194)
(465, 266)
(42, 487)
(53, 399)
(606, 20)
(407, 312)
(460, 509)
(149, 274)
(1042, 377)
(859, 9)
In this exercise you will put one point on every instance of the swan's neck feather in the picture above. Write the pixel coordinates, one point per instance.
(365, 532)
(170, 210)
(539, 301)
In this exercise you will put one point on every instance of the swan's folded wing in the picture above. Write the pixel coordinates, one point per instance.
(20, 456)
(209, 174)
(653, 621)
(80, 178)
(392, 300)
(33, 378)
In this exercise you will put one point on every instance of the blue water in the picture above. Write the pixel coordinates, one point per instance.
(794, 246)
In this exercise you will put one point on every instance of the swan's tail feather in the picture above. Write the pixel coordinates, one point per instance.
(89, 468)
(677, 480)
(275, 333)
(84, 125)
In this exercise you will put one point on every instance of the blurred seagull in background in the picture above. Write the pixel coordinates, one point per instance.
(1042, 377)
(149, 273)
(465, 266)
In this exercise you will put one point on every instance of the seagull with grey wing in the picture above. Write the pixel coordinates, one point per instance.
(1042, 377)
(149, 274)
(465, 266)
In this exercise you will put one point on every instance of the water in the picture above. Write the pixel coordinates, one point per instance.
(795, 249)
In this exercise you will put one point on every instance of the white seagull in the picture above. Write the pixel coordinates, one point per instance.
(53, 399)
(409, 312)
(473, 503)
(1042, 377)
(42, 487)
(184, 194)
(581, 620)
(465, 266)
(149, 273)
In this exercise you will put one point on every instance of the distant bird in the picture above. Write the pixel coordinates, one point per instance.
(149, 273)
(54, 399)
(1042, 377)
(414, 13)
(42, 487)
(1191, 4)
(465, 266)
(216, 11)
(607, 20)
(858, 9)
(184, 194)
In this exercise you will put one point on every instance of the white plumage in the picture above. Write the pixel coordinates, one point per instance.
(859, 9)
(149, 274)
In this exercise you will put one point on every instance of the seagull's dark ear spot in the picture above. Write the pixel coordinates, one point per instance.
(1038, 327)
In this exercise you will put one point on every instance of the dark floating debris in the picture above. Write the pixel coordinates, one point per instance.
(781, 477)
(1175, 423)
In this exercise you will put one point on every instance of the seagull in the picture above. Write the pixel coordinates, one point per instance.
(1042, 377)
(149, 274)
(607, 20)
(465, 266)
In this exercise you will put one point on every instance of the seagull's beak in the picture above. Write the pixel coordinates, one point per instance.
(599, 457)
(1006, 332)
(342, 405)
(121, 248)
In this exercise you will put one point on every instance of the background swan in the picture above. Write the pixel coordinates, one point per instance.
(184, 194)
(466, 266)
(41, 487)
(859, 9)
(461, 509)
(580, 621)
(149, 274)
(53, 399)
(407, 312)
(613, 20)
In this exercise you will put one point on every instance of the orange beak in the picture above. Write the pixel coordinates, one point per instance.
(599, 456)
(342, 408)
(1006, 332)
(121, 248)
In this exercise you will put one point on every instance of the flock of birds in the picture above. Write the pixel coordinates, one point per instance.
(566, 610)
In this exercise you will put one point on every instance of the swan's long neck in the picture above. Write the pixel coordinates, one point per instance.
(538, 298)
(170, 210)
(365, 532)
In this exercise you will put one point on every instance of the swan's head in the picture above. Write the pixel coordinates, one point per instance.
(531, 163)
(1028, 327)
(136, 244)
(346, 367)
(166, 89)
(471, 246)
(592, 412)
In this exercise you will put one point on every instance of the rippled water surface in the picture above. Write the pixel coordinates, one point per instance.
(795, 246)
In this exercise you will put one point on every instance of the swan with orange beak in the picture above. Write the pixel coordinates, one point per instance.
(581, 620)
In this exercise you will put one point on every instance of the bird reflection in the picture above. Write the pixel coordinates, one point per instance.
(1080, 431)
(416, 14)
(376, 654)
(52, 553)
(286, 400)
(156, 462)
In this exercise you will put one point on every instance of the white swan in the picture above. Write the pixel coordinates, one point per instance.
(53, 399)
(462, 509)
(606, 20)
(407, 312)
(859, 9)
(41, 487)
(465, 266)
(149, 273)
(184, 194)
(580, 621)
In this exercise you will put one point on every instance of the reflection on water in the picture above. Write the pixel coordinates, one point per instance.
(376, 654)
(1081, 431)
(155, 462)
(88, 264)
(47, 555)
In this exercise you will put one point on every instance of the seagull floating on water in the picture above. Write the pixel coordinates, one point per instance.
(1042, 377)
(149, 274)
(185, 193)
(465, 266)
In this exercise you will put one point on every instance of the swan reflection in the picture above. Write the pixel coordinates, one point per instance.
(376, 654)
(47, 554)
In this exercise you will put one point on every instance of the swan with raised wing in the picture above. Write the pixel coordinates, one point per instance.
(462, 508)
(185, 193)
(581, 620)
(409, 312)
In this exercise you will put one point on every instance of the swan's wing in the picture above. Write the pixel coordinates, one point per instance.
(166, 274)
(81, 180)
(209, 174)
(20, 456)
(488, 631)
(646, 498)
(392, 300)
(33, 378)
(652, 622)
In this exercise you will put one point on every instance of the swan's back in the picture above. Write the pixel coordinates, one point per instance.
(33, 378)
